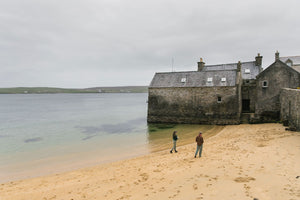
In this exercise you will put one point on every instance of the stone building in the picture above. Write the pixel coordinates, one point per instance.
(195, 97)
(269, 84)
(249, 71)
(221, 94)
(210, 95)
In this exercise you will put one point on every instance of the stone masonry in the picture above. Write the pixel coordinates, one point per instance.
(198, 105)
(290, 108)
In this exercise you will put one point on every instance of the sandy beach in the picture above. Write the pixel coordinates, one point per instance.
(240, 162)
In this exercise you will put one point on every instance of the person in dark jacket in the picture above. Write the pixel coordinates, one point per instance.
(200, 141)
(175, 138)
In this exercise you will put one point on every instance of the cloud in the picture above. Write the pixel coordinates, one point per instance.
(112, 42)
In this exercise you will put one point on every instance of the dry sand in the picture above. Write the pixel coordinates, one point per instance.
(240, 162)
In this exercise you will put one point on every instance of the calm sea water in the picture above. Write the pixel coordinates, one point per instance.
(49, 133)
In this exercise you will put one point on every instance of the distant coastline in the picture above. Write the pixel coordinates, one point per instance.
(52, 90)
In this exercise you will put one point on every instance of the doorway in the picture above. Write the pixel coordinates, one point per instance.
(246, 105)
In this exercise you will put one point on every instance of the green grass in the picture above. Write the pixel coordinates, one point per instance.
(49, 90)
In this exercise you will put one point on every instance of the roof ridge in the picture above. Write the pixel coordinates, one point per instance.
(229, 63)
(196, 71)
(288, 56)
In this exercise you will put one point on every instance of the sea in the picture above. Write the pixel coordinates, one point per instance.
(42, 134)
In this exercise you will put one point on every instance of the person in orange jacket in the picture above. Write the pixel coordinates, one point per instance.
(200, 141)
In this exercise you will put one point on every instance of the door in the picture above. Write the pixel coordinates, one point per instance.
(246, 105)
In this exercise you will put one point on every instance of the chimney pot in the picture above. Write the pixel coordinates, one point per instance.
(201, 65)
(276, 56)
(258, 60)
(239, 66)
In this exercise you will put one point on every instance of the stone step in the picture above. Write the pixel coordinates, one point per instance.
(245, 118)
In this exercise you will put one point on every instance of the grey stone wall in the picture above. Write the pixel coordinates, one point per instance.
(277, 76)
(290, 108)
(194, 105)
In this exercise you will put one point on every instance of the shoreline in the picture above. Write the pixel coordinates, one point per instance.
(57, 164)
(240, 162)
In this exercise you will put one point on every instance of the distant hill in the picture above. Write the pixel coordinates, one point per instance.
(49, 90)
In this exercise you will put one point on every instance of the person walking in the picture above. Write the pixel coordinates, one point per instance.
(175, 138)
(200, 141)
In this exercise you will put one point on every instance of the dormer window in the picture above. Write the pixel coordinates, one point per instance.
(247, 71)
(223, 79)
(289, 62)
(183, 80)
(209, 79)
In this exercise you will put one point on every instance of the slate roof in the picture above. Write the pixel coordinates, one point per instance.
(251, 73)
(297, 68)
(194, 79)
(294, 59)
(273, 64)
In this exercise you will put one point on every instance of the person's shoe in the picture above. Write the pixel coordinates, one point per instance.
(195, 156)
(176, 151)
(171, 151)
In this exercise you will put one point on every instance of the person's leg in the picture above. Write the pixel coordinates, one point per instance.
(197, 151)
(174, 146)
(200, 152)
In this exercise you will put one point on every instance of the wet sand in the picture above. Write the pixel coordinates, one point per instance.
(240, 162)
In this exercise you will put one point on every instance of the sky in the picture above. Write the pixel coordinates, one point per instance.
(92, 43)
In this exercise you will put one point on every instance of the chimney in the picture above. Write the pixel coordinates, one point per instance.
(239, 66)
(258, 60)
(276, 56)
(201, 65)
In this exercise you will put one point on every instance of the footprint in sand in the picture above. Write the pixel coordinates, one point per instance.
(144, 176)
(244, 179)
(156, 170)
(195, 186)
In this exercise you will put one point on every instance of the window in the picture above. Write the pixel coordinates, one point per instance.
(209, 79)
(247, 71)
(289, 62)
(223, 79)
(183, 80)
(219, 99)
(265, 84)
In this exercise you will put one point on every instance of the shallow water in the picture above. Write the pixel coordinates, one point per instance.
(50, 133)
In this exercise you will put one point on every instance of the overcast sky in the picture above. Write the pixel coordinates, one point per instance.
(90, 43)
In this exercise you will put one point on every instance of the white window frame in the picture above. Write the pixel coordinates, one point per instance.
(265, 84)
(183, 80)
(209, 79)
(247, 71)
(223, 79)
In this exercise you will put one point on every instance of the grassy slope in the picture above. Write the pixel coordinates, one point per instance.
(41, 90)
